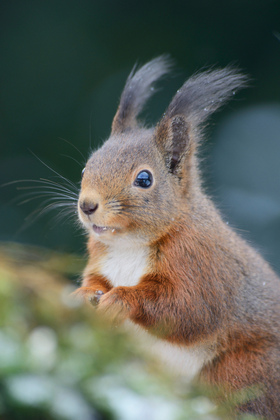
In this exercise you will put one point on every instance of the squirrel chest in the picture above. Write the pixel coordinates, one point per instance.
(124, 264)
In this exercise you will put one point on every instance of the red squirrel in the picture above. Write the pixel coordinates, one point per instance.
(160, 254)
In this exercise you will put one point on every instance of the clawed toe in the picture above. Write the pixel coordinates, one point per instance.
(94, 299)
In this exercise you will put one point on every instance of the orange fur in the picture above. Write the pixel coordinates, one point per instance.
(183, 275)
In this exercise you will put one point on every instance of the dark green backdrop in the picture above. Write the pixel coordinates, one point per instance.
(64, 63)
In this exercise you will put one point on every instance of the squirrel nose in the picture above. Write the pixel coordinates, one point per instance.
(88, 208)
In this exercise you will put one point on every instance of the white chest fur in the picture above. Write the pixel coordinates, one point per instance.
(186, 361)
(125, 264)
(181, 360)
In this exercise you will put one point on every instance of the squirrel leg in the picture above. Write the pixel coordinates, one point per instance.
(145, 303)
(158, 304)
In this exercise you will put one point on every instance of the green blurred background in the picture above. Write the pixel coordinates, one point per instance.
(63, 66)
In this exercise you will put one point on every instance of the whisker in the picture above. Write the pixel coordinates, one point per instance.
(52, 193)
(75, 147)
(65, 213)
(58, 194)
(128, 206)
(40, 181)
(131, 211)
(36, 197)
(57, 173)
(41, 211)
(18, 181)
(50, 181)
(75, 160)
(117, 208)
(49, 190)
(45, 188)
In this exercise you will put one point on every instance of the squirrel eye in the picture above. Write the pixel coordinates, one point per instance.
(83, 171)
(144, 179)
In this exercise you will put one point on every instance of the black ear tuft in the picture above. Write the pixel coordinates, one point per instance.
(138, 89)
(204, 93)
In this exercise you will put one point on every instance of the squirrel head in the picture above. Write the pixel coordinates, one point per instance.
(142, 180)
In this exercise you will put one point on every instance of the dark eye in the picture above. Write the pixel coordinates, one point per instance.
(83, 171)
(144, 179)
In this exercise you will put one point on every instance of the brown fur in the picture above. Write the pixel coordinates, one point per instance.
(202, 283)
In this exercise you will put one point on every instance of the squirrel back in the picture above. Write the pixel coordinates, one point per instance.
(160, 254)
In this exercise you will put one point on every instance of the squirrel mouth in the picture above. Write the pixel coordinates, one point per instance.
(102, 229)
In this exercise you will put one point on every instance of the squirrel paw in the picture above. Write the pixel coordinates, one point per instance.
(88, 294)
(112, 306)
(94, 299)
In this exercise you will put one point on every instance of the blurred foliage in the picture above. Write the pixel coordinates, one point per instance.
(64, 64)
(58, 361)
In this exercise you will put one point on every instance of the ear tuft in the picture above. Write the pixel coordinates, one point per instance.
(138, 89)
(204, 93)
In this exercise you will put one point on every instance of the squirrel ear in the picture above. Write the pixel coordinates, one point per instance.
(172, 138)
(138, 89)
(180, 129)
